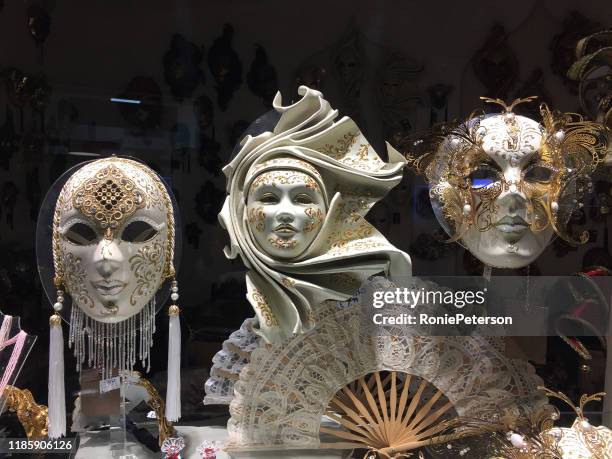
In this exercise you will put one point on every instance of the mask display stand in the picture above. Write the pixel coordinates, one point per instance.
(100, 415)
(111, 413)
(15, 346)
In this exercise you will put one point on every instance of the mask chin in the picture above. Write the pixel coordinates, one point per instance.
(498, 250)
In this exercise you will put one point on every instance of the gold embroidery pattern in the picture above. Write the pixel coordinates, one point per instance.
(108, 198)
(341, 241)
(281, 243)
(287, 282)
(74, 279)
(255, 217)
(286, 177)
(360, 159)
(278, 163)
(363, 160)
(263, 308)
(316, 218)
(351, 209)
(343, 247)
(146, 265)
(343, 146)
(154, 194)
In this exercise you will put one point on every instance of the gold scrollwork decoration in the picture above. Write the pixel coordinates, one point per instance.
(32, 416)
(166, 429)
(146, 264)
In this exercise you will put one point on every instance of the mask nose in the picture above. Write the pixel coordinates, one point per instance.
(284, 216)
(107, 258)
(514, 202)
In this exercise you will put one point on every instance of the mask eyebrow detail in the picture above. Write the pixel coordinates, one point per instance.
(144, 218)
(63, 229)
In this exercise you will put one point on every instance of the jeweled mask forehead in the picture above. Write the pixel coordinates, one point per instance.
(109, 198)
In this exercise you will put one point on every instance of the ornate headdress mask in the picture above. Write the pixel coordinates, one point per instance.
(113, 248)
(295, 211)
(504, 184)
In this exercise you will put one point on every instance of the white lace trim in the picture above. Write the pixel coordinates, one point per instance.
(228, 363)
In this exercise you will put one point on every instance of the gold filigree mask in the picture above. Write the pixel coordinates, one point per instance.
(113, 238)
(505, 184)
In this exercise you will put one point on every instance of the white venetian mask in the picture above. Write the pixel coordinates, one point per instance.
(502, 189)
(505, 184)
(112, 241)
(285, 211)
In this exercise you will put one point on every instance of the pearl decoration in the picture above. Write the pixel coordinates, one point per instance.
(554, 206)
(513, 188)
(455, 142)
(518, 441)
(559, 135)
(585, 424)
(58, 306)
(467, 209)
(174, 296)
(174, 289)
(509, 116)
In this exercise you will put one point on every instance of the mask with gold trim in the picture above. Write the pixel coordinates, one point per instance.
(286, 205)
(295, 213)
(113, 249)
(505, 184)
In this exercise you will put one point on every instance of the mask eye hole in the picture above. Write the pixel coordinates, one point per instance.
(269, 198)
(539, 174)
(138, 231)
(81, 234)
(303, 198)
(483, 176)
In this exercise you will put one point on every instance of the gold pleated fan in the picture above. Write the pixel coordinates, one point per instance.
(390, 413)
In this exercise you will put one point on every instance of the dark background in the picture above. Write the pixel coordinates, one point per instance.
(387, 64)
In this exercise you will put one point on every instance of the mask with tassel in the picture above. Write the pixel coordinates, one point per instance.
(113, 249)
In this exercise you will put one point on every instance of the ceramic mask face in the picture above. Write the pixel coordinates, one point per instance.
(502, 191)
(111, 237)
(285, 211)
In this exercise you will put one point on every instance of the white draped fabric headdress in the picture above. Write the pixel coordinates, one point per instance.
(347, 249)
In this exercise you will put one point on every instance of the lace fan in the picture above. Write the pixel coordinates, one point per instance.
(286, 389)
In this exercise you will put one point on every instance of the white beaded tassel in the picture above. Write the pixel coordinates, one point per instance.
(57, 396)
(173, 390)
